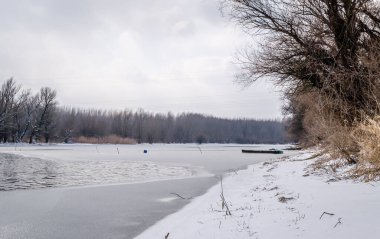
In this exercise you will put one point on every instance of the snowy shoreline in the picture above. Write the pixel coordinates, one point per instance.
(277, 198)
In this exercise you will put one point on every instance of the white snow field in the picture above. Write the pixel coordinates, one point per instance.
(278, 199)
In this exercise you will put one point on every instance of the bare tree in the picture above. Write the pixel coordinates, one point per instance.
(67, 123)
(322, 46)
(24, 108)
(8, 94)
(45, 104)
(48, 109)
(140, 117)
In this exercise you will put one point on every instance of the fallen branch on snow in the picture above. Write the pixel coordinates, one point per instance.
(327, 213)
(339, 222)
(181, 197)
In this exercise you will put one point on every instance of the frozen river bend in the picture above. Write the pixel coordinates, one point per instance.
(105, 191)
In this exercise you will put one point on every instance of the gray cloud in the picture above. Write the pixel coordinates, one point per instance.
(167, 55)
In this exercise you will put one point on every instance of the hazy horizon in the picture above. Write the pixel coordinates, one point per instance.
(162, 56)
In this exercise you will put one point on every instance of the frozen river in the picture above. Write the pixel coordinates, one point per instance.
(23, 172)
(105, 191)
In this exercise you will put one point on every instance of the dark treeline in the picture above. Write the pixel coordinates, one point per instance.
(27, 117)
(167, 128)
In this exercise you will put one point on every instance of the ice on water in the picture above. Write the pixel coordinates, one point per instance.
(21, 172)
(24, 166)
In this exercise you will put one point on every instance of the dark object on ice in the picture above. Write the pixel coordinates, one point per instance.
(285, 199)
(294, 148)
(270, 151)
(145, 151)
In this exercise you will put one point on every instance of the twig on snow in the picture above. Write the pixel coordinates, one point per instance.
(181, 197)
(339, 222)
(224, 202)
(327, 213)
(200, 150)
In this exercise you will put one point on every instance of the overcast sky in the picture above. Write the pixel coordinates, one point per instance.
(160, 55)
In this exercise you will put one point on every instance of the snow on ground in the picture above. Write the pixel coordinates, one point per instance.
(278, 199)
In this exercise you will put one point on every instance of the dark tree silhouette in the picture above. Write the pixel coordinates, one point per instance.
(329, 47)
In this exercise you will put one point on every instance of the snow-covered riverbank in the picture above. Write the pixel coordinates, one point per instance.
(278, 199)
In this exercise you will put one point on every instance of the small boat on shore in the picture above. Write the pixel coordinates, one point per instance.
(270, 151)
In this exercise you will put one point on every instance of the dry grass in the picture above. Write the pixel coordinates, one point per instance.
(111, 139)
(358, 145)
(341, 144)
(367, 136)
(325, 165)
(344, 143)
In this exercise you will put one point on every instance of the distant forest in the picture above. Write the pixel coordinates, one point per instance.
(27, 117)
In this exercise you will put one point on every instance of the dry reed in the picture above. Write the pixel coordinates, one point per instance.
(110, 139)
